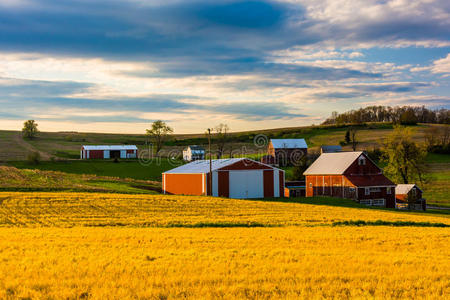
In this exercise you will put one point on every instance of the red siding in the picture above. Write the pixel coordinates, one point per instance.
(224, 184)
(268, 184)
(281, 178)
(368, 168)
(93, 154)
(246, 165)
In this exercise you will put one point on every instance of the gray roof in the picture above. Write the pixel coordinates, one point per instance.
(403, 189)
(289, 143)
(331, 148)
(196, 147)
(109, 147)
(202, 166)
(332, 163)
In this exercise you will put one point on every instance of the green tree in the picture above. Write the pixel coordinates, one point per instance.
(30, 129)
(353, 131)
(347, 137)
(404, 158)
(159, 132)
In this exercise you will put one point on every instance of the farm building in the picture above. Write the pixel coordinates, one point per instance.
(411, 193)
(284, 152)
(108, 152)
(234, 178)
(193, 152)
(349, 175)
(330, 149)
(294, 189)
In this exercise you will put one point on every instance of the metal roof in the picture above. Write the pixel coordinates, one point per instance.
(289, 143)
(109, 147)
(403, 189)
(202, 166)
(332, 163)
(196, 147)
(331, 148)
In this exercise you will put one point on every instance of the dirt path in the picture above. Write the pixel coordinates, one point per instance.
(27, 146)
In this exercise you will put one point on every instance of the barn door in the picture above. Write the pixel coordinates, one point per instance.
(246, 184)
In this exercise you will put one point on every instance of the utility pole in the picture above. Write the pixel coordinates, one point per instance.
(210, 162)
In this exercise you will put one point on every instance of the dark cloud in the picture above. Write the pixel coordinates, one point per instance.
(40, 88)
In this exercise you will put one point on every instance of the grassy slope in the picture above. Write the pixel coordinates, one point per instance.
(67, 145)
(13, 179)
(123, 169)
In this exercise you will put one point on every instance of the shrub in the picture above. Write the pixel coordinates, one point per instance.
(34, 158)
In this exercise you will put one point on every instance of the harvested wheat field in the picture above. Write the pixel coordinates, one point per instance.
(110, 246)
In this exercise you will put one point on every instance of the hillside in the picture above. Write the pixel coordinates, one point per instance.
(13, 179)
(67, 145)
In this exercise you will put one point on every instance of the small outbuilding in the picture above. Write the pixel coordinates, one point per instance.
(330, 149)
(351, 175)
(108, 151)
(294, 189)
(193, 152)
(233, 178)
(409, 196)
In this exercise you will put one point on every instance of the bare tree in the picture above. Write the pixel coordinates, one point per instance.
(222, 132)
(160, 130)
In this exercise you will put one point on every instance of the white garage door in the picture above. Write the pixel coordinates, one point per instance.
(247, 184)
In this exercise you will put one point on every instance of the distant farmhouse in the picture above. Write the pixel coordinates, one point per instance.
(234, 178)
(409, 194)
(330, 149)
(284, 152)
(193, 152)
(108, 152)
(349, 175)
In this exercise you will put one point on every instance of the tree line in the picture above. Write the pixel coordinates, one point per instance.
(405, 115)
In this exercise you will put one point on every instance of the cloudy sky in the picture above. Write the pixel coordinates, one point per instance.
(117, 65)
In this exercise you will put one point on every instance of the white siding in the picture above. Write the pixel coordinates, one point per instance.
(276, 183)
(106, 154)
(215, 184)
(246, 184)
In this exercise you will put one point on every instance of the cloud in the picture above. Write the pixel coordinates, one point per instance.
(257, 110)
(442, 66)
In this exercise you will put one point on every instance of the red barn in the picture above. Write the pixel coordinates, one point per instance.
(108, 152)
(349, 175)
(233, 178)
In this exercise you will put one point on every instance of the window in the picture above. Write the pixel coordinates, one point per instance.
(361, 161)
(366, 201)
(375, 190)
(310, 184)
(367, 191)
(413, 192)
(378, 202)
(388, 190)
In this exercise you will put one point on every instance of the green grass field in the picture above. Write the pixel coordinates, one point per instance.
(123, 169)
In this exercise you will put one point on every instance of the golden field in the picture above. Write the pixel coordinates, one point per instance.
(97, 209)
(111, 246)
(225, 263)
